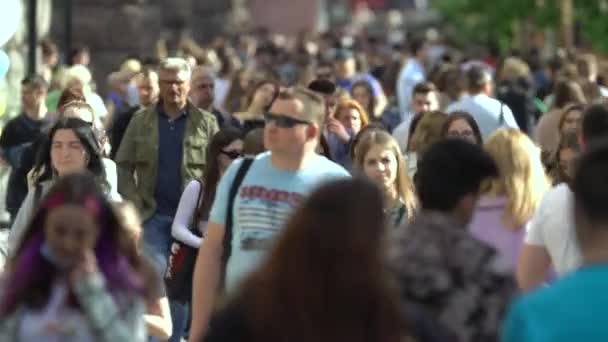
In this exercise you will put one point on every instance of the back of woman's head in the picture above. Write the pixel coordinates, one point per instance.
(567, 91)
(85, 134)
(253, 143)
(257, 86)
(522, 176)
(69, 95)
(427, 131)
(330, 255)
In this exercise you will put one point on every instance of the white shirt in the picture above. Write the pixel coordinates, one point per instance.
(401, 133)
(486, 112)
(411, 74)
(552, 227)
(180, 228)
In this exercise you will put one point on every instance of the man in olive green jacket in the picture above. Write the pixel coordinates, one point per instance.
(163, 149)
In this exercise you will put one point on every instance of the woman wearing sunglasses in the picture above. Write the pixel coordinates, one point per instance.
(225, 146)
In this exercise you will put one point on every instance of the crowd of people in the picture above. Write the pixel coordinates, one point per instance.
(260, 189)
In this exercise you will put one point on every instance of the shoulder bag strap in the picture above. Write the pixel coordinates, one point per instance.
(501, 118)
(234, 188)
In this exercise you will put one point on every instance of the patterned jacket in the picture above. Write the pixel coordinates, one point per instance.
(444, 270)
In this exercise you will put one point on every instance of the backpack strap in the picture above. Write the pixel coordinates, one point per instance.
(501, 118)
(234, 188)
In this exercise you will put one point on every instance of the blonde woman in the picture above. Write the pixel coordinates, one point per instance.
(377, 155)
(509, 201)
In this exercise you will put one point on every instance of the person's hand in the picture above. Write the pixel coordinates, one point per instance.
(87, 265)
(334, 126)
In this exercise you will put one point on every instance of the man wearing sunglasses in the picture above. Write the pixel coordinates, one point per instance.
(274, 185)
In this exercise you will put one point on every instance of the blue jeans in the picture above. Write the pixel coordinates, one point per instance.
(180, 316)
(157, 244)
(157, 241)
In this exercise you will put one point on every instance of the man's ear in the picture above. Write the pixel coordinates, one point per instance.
(312, 132)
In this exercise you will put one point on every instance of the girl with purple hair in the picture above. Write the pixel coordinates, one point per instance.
(75, 276)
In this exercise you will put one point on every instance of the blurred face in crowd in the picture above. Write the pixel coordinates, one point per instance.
(32, 97)
(571, 121)
(380, 165)
(330, 105)
(245, 80)
(229, 153)
(566, 161)
(83, 57)
(362, 95)
(325, 72)
(70, 230)
(425, 102)
(68, 154)
(148, 89)
(203, 87)
(461, 129)
(264, 95)
(350, 118)
(287, 127)
(174, 87)
(345, 68)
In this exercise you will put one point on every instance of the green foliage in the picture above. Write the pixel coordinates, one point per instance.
(483, 20)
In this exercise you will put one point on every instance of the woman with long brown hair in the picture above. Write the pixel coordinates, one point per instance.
(321, 284)
(195, 204)
(378, 156)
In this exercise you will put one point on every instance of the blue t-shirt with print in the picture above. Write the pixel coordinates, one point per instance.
(264, 201)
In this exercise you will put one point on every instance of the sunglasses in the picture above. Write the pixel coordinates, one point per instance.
(284, 121)
(232, 154)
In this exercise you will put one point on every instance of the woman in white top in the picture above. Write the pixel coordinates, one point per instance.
(225, 146)
(190, 222)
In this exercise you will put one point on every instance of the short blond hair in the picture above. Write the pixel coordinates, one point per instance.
(314, 105)
(77, 72)
(176, 64)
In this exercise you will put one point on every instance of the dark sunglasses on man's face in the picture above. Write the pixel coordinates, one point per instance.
(232, 154)
(284, 121)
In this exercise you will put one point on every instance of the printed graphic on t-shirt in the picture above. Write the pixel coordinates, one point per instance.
(262, 213)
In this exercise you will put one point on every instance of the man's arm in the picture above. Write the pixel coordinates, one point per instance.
(125, 164)
(206, 280)
(533, 268)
